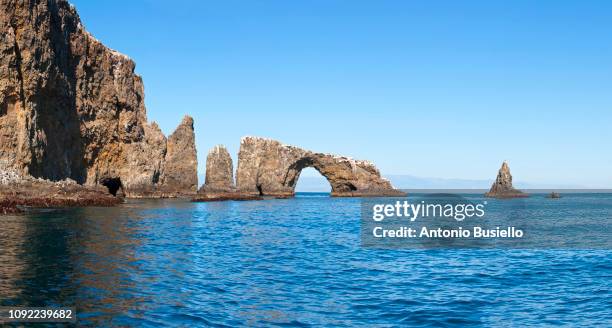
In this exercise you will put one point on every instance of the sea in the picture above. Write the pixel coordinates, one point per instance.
(297, 262)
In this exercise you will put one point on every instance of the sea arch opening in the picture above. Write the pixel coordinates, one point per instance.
(339, 173)
(312, 181)
(305, 176)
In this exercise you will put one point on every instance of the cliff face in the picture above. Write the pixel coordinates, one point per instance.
(268, 168)
(72, 108)
(502, 187)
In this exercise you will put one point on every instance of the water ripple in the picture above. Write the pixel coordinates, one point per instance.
(285, 263)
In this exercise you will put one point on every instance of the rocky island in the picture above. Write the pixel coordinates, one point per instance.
(74, 129)
(502, 187)
(269, 168)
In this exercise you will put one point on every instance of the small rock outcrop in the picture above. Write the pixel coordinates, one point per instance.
(17, 192)
(72, 108)
(502, 187)
(269, 168)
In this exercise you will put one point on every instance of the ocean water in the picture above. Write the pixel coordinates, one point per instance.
(291, 263)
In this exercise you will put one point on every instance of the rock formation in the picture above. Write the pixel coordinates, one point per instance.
(17, 191)
(72, 108)
(268, 168)
(502, 187)
(180, 173)
(219, 170)
(219, 184)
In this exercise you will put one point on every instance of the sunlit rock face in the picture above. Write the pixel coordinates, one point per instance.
(269, 168)
(219, 171)
(180, 173)
(502, 187)
(219, 184)
(72, 108)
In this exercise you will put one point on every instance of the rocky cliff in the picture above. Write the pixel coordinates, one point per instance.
(269, 168)
(502, 187)
(72, 108)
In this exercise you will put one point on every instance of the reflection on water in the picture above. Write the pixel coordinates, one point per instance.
(282, 262)
(93, 258)
(12, 236)
(36, 260)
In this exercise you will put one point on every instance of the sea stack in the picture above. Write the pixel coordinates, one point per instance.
(180, 173)
(502, 187)
(219, 170)
(219, 184)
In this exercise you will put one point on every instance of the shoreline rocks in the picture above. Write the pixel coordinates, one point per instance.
(224, 196)
(8, 206)
(502, 187)
(21, 192)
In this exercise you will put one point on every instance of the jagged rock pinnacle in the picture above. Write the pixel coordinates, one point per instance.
(219, 171)
(502, 187)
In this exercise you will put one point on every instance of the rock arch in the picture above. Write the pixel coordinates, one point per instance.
(269, 168)
(334, 173)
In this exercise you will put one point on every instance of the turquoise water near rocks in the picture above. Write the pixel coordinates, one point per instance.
(293, 262)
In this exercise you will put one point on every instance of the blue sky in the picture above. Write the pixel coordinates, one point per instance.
(444, 89)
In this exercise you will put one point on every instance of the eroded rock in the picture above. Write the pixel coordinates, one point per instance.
(219, 184)
(219, 171)
(269, 168)
(502, 187)
(17, 192)
(180, 172)
(72, 108)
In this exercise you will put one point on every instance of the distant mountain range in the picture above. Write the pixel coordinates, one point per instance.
(319, 184)
(309, 183)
